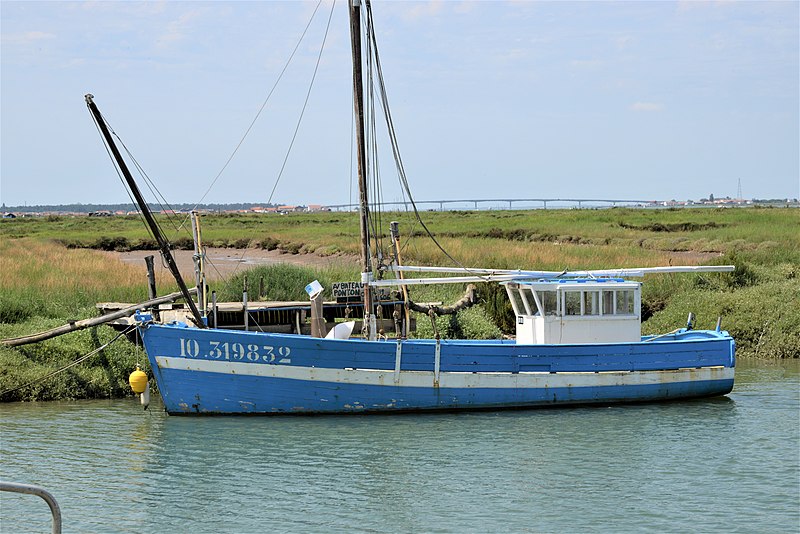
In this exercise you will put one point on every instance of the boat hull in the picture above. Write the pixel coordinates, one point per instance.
(229, 372)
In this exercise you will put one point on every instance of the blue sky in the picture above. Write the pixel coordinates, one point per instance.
(639, 100)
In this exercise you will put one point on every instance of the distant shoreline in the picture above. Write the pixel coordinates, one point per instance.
(104, 210)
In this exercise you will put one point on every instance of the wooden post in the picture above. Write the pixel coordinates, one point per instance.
(151, 278)
(394, 230)
(318, 328)
(151, 285)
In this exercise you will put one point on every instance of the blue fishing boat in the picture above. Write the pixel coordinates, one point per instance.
(578, 342)
(578, 338)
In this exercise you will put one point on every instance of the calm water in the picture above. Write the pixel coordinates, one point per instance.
(729, 464)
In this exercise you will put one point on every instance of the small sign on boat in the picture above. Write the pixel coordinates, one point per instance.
(345, 292)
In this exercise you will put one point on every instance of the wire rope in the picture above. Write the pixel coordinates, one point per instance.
(299, 120)
(305, 105)
(261, 109)
(395, 147)
(73, 364)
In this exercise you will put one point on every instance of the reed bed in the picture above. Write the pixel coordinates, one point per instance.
(43, 278)
(489, 253)
(49, 274)
(44, 285)
(764, 230)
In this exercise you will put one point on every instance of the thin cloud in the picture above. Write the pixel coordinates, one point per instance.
(27, 38)
(423, 10)
(691, 5)
(624, 41)
(177, 30)
(646, 107)
(588, 64)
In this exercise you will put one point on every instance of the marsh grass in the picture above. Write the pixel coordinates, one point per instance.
(103, 375)
(282, 282)
(48, 275)
(43, 278)
(44, 285)
(761, 331)
(761, 230)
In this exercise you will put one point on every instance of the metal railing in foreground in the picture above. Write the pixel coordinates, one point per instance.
(30, 489)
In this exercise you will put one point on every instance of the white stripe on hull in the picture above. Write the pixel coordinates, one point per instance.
(450, 379)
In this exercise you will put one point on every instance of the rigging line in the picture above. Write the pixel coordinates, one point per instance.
(167, 211)
(352, 137)
(119, 173)
(150, 184)
(299, 120)
(68, 366)
(375, 219)
(160, 199)
(124, 184)
(396, 150)
(147, 179)
(305, 104)
(258, 114)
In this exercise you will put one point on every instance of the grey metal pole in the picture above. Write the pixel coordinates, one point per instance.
(244, 309)
(30, 489)
(214, 306)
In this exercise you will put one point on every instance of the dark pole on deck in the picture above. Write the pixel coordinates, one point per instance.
(358, 110)
(163, 245)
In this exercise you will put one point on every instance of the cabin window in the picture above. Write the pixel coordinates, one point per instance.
(591, 303)
(549, 301)
(516, 303)
(624, 302)
(527, 296)
(572, 303)
(608, 302)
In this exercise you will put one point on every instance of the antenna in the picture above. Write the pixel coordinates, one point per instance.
(739, 190)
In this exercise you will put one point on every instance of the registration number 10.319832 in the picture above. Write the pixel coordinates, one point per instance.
(225, 350)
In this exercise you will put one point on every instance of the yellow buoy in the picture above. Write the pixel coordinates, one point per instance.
(138, 381)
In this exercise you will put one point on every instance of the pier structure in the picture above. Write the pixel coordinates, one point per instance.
(499, 203)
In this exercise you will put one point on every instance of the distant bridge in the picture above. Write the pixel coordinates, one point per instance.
(499, 203)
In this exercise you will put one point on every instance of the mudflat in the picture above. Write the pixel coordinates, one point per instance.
(225, 262)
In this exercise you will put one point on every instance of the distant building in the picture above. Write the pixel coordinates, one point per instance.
(288, 209)
(316, 207)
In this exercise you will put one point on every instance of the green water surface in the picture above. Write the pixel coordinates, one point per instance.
(728, 464)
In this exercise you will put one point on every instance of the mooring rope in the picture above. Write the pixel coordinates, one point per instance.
(73, 364)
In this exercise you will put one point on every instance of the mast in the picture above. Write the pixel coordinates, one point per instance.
(163, 245)
(358, 109)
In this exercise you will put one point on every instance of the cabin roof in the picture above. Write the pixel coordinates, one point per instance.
(551, 283)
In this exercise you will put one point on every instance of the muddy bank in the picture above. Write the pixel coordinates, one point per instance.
(222, 263)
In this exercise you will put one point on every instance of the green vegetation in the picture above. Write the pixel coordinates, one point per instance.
(657, 232)
(103, 375)
(281, 282)
(44, 285)
(55, 269)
